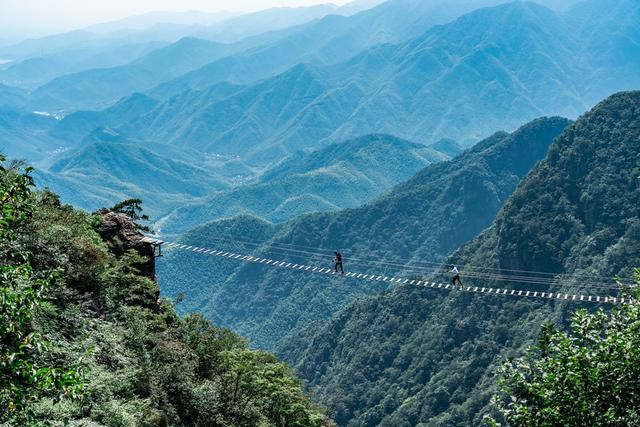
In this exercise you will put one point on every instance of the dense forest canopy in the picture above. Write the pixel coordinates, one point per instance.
(417, 357)
(85, 339)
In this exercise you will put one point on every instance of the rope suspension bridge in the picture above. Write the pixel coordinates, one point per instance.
(519, 276)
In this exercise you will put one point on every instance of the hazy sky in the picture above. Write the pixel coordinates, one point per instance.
(30, 18)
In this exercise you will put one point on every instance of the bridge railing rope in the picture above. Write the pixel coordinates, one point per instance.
(546, 295)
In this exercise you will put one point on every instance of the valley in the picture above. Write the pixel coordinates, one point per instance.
(416, 138)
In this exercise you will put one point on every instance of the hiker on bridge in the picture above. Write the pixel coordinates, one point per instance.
(456, 275)
(338, 261)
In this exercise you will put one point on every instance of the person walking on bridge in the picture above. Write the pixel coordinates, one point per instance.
(456, 275)
(338, 262)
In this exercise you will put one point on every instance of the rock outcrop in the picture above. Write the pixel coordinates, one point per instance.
(121, 235)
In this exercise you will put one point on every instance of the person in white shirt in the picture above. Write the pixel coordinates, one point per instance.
(456, 275)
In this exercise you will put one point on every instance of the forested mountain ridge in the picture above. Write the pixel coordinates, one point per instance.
(108, 167)
(485, 66)
(442, 207)
(199, 277)
(87, 341)
(421, 357)
(329, 40)
(341, 175)
(519, 60)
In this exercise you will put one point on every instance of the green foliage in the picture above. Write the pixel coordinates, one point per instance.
(256, 388)
(134, 361)
(590, 376)
(15, 204)
(133, 209)
(24, 378)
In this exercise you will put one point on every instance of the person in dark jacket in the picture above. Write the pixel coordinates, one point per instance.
(338, 262)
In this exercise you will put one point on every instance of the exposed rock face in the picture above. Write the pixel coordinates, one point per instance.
(121, 234)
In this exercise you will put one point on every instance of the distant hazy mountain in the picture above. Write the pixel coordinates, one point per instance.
(102, 87)
(106, 78)
(329, 40)
(339, 176)
(251, 24)
(440, 208)
(152, 19)
(356, 6)
(420, 356)
(37, 70)
(166, 27)
(493, 68)
(25, 135)
(71, 40)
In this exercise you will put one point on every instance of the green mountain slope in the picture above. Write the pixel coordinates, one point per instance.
(87, 341)
(198, 278)
(108, 168)
(339, 176)
(25, 135)
(424, 357)
(442, 207)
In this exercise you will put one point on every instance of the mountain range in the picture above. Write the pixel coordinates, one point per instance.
(412, 356)
(460, 80)
(341, 175)
(407, 134)
(421, 77)
(108, 167)
(168, 27)
(442, 207)
(250, 47)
